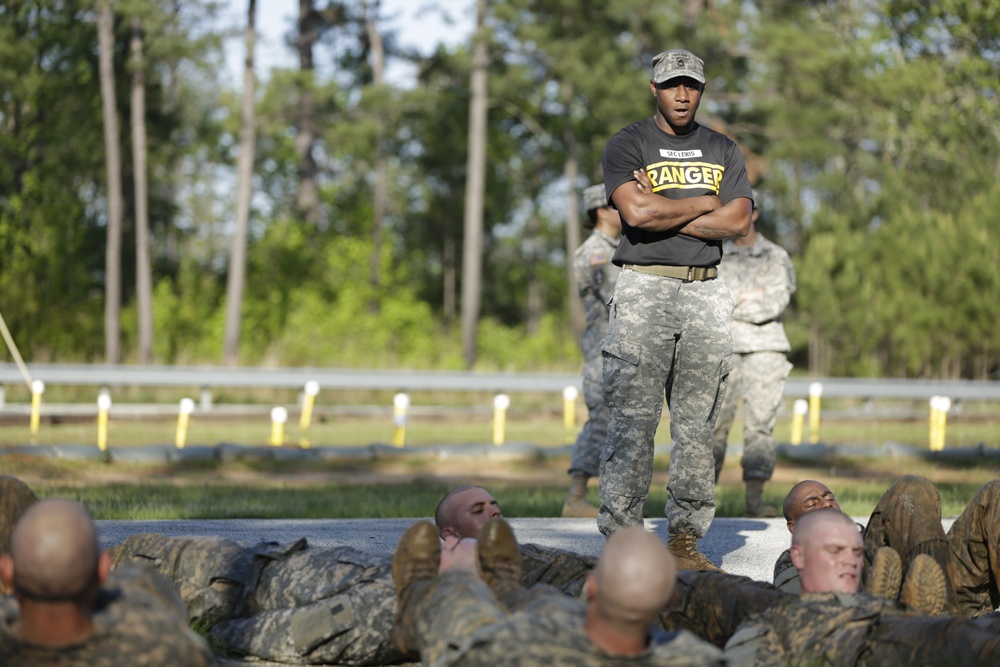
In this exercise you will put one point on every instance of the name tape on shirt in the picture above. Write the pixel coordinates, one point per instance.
(680, 155)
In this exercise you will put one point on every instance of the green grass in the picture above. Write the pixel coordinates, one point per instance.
(351, 489)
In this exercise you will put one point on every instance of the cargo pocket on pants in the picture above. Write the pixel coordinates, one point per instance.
(621, 362)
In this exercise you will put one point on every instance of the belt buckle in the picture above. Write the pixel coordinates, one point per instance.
(696, 273)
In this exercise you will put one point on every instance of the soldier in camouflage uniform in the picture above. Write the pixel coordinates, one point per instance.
(681, 189)
(454, 618)
(595, 279)
(64, 617)
(832, 624)
(761, 278)
(908, 519)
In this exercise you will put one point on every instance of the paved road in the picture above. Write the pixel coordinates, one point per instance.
(746, 547)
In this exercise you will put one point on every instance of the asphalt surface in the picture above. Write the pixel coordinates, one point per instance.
(747, 547)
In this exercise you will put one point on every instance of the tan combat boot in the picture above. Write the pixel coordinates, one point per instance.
(684, 547)
(925, 587)
(499, 558)
(886, 574)
(756, 507)
(576, 505)
(417, 557)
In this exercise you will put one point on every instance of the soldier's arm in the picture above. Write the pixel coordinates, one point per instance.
(726, 222)
(770, 297)
(643, 209)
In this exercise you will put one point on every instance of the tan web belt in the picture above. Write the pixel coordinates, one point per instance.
(685, 273)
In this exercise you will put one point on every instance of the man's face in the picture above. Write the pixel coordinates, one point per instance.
(677, 101)
(830, 559)
(473, 508)
(809, 497)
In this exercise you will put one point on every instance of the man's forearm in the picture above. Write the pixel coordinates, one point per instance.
(727, 222)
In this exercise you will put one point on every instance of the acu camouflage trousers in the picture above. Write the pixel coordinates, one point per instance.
(759, 379)
(667, 339)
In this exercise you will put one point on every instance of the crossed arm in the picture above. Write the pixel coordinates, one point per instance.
(704, 218)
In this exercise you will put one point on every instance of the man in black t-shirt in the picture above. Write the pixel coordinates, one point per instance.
(681, 189)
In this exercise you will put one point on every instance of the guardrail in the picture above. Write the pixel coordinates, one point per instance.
(205, 378)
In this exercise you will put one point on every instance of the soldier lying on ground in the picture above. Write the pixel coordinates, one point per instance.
(832, 624)
(63, 616)
(908, 518)
(454, 617)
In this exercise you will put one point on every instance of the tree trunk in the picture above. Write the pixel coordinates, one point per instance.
(113, 164)
(475, 186)
(570, 174)
(380, 186)
(143, 267)
(449, 277)
(307, 198)
(244, 173)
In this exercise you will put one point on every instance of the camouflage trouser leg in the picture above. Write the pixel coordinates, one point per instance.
(586, 456)
(565, 570)
(975, 545)
(908, 519)
(727, 414)
(922, 640)
(354, 628)
(438, 617)
(666, 338)
(713, 604)
(763, 386)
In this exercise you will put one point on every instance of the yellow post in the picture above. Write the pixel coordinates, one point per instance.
(569, 412)
(184, 411)
(400, 404)
(500, 404)
(279, 416)
(815, 392)
(939, 416)
(308, 399)
(103, 405)
(37, 389)
(799, 410)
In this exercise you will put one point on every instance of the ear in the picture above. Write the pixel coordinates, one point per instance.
(590, 587)
(6, 573)
(797, 556)
(448, 532)
(652, 87)
(791, 525)
(103, 567)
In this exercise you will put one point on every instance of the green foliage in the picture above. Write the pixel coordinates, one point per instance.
(871, 131)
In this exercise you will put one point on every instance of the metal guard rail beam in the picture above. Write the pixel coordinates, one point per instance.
(408, 380)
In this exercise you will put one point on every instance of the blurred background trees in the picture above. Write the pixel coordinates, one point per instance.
(871, 129)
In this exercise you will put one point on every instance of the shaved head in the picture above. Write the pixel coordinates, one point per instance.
(464, 510)
(54, 551)
(828, 552)
(806, 496)
(635, 577)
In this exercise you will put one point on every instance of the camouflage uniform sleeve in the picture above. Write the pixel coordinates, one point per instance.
(786, 577)
(777, 280)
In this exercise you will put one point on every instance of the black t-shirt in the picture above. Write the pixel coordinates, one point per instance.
(703, 162)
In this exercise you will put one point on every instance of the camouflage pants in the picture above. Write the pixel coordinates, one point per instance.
(975, 545)
(956, 642)
(454, 619)
(667, 339)
(586, 457)
(759, 379)
(333, 606)
(908, 519)
(713, 605)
